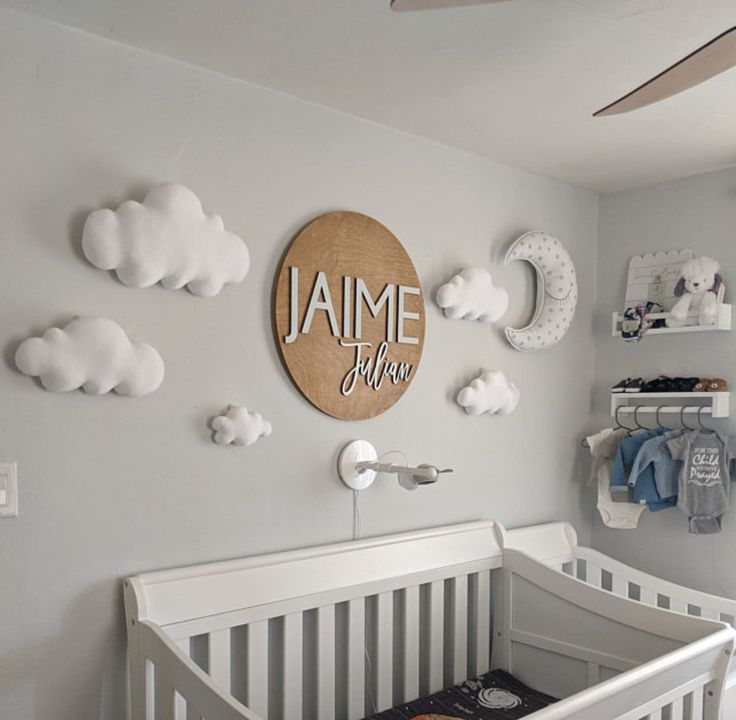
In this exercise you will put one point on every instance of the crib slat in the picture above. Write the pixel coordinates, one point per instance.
(150, 685)
(677, 709)
(483, 623)
(647, 596)
(356, 659)
(258, 668)
(219, 658)
(678, 605)
(192, 714)
(180, 705)
(411, 644)
(164, 695)
(460, 629)
(656, 715)
(696, 704)
(593, 574)
(710, 614)
(619, 586)
(293, 648)
(326, 663)
(385, 655)
(436, 635)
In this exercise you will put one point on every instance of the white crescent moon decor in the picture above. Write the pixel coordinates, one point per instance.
(557, 291)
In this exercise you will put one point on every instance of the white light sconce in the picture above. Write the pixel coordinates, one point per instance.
(358, 466)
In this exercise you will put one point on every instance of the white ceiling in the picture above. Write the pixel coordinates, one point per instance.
(516, 81)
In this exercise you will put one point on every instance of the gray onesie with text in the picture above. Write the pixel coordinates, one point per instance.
(704, 480)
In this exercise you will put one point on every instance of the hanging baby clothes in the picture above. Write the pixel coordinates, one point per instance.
(603, 447)
(655, 473)
(705, 477)
(624, 461)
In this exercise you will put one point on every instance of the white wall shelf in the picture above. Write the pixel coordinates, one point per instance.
(723, 322)
(713, 404)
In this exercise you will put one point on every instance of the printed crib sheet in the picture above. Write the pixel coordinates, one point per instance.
(493, 696)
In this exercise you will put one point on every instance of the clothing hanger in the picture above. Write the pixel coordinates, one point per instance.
(636, 418)
(682, 419)
(656, 418)
(700, 421)
(619, 424)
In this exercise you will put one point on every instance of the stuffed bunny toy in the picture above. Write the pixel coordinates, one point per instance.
(697, 289)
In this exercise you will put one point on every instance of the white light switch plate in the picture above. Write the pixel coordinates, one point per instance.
(8, 490)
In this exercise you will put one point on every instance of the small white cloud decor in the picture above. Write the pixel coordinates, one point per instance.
(490, 393)
(239, 426)
(168, 238)
(471, 295)
(93, 353)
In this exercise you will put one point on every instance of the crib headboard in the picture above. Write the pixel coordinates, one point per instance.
(346, 629)
(552, 543)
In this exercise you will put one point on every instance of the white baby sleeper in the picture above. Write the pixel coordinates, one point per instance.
(618, 515)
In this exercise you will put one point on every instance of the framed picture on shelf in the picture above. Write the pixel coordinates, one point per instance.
(653, 276)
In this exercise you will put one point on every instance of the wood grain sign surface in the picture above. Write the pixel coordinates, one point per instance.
(349, 315)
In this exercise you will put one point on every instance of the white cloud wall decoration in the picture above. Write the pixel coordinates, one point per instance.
(239, 426)
(471, 295)
(491, 393)
(93, 353)
(168, 238)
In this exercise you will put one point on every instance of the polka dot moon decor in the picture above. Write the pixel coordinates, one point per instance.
(349, 315)
(557, 291)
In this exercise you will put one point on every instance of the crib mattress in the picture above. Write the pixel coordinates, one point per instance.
(493, 696)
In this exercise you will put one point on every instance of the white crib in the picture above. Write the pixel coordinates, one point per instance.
(342, 631)
(556, 545)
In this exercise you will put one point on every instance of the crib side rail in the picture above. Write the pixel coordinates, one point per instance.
(660, 664)
(686, 683)
(167, 685)
(601, 571)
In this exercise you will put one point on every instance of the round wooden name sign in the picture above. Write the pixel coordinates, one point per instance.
(349, 315)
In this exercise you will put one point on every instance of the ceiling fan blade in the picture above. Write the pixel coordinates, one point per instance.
(713, 58)
(413, 5)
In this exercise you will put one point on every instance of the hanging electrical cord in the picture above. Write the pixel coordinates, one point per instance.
(357, 517)
(357, 514)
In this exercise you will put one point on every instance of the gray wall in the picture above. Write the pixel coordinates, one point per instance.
(111, 486)
(699, 213)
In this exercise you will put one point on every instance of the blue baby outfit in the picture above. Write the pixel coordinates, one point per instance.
(666, 469)
(645, 487)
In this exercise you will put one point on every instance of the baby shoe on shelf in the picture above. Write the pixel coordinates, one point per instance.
(620, 386)
(685, 384)
(717, 385)
(660, 384)
(702, 385)
(633, 385)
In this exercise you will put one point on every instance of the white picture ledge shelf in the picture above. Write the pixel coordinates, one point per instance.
(713, 404)
(723, 322)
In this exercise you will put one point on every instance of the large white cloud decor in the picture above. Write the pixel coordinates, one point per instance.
(93, 353)
(490, 393)
(168, 238)
(471, 295)
(239, 426)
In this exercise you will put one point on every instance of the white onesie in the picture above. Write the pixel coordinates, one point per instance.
(619, 515)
